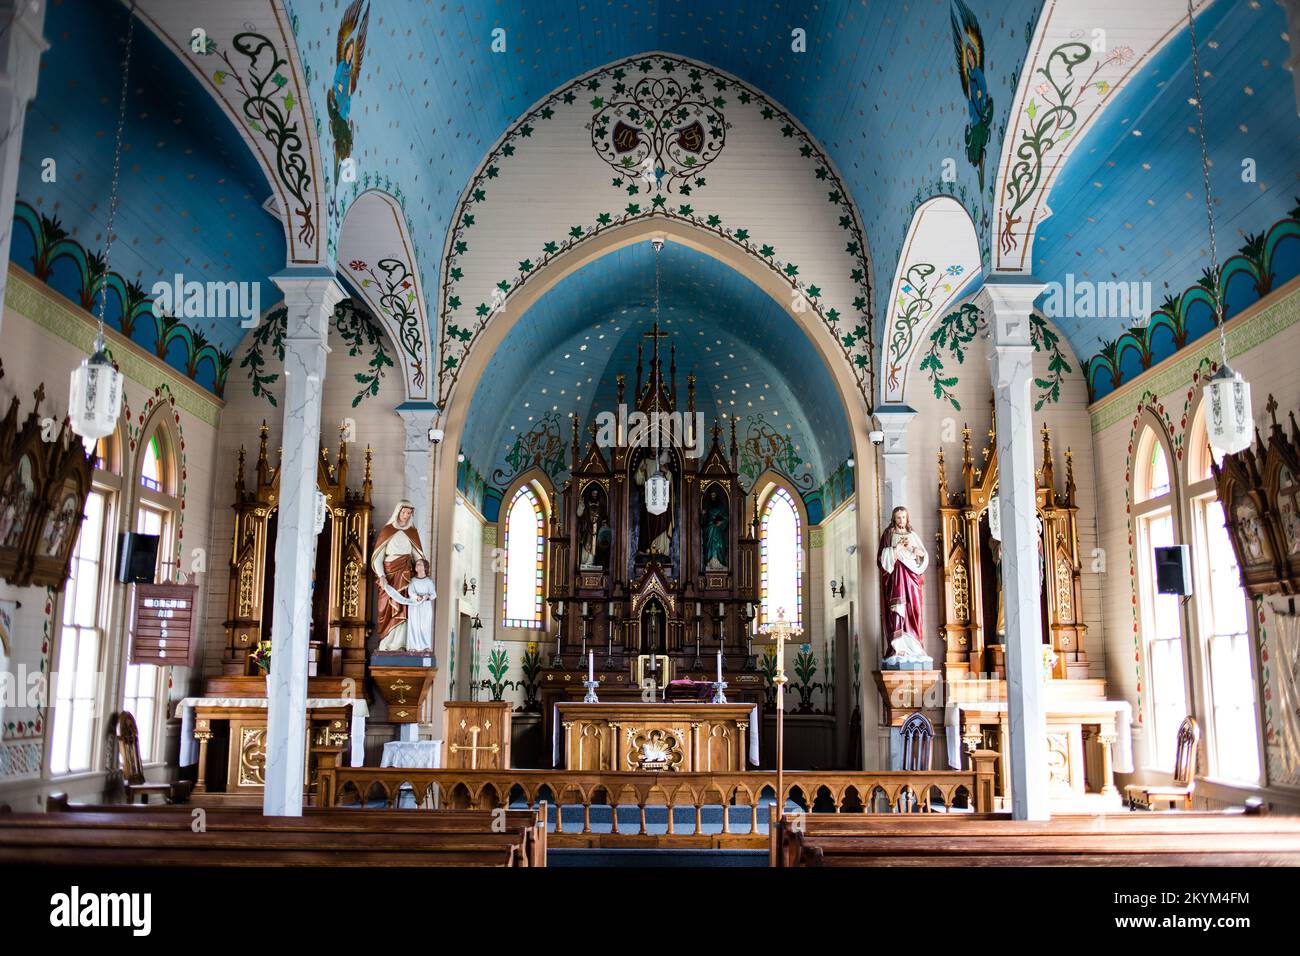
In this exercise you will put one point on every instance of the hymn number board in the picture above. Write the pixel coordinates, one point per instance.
(164, 624)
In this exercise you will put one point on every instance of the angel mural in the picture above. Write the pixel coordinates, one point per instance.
(350, 47)
(969, 41)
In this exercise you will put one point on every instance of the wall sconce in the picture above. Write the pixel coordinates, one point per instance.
(839, 592)
(469, 586)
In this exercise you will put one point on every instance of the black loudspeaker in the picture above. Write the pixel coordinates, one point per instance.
(137, 557)
(1173, 570)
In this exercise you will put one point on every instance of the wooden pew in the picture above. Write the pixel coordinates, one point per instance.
(1174, 839)
(88, 835)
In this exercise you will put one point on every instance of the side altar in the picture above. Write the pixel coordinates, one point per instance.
(1088, 737)
(224, 729)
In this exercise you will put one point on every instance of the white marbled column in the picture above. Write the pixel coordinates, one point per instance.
(893, 421)
(1007, 307)
(417, 460)
(21, 44)
(310, 300)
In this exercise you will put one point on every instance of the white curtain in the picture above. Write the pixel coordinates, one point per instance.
(1288, 679)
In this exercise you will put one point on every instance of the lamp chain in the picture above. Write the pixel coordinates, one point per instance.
(117, 173)
(1209, 197)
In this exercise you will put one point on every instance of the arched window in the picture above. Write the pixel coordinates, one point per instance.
(84, 620)
(524, 545)
(780, 539)
(1159, 614)
(156, 508)
(151, 465)
(1221, 625)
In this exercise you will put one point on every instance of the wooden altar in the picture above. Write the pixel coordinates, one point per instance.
(230, 728)
(1084, 729)
(968, 558)
(677, 588)
(655, 737)
(341, 600)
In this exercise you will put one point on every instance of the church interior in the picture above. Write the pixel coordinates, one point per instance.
(851, 434)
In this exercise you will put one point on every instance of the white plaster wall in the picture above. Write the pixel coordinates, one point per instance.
(33, 353)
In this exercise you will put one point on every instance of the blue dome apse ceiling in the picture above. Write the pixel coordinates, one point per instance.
(1130, 206)
(878, 86)
(751, 361)
(191, 193)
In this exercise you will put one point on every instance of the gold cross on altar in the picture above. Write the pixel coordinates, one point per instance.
(474, 747)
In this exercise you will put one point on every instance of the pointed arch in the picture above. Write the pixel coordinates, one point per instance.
(783, 532)
(526, 510)
(939, 263)
(378, 259)
(248, 60)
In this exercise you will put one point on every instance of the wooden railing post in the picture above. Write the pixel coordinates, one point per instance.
(326, 761)
(984, 765)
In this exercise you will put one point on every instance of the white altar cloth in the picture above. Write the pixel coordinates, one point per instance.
(1123, 755)
(555, 732)
(190, 746)
(412, 754)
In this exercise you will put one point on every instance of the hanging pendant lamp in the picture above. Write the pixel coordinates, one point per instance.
(658, 489)
(95, 397)
(1229, 421)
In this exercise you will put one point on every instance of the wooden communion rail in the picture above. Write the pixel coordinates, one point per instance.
(832, 792)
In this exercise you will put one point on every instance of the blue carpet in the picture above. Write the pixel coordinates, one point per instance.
(636, 858)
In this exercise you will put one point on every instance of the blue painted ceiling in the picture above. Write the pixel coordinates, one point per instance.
(563, 354)
(878, 87)
(191, 193)
(1130, 206)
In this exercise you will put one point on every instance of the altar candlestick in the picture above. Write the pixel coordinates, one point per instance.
(591, 665)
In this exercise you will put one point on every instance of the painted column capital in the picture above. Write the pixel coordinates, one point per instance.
(417, 419)
(309, 299)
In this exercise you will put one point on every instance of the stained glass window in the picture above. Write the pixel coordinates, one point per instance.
(151, 468)
(524, 548)
(781, 560)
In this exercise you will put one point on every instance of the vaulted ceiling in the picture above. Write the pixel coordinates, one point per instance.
(878, 88)
(753, 363)
(191, 194)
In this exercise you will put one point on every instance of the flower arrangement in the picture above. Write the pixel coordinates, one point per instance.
(261, 656)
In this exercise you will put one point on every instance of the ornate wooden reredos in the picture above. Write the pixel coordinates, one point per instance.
(654, 597)
(1260, 495)
(45, 478)
(970, 587)
(341, 615)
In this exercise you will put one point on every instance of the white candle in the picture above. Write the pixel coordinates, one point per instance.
(591, 665)
(584, 608)
(719, 667)
(698, 611)
(721, 609)
(609, 609)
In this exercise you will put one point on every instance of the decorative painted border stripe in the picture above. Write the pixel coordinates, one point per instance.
(460, 337)
(20, 759)
(1255, 325)
(32, 299)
